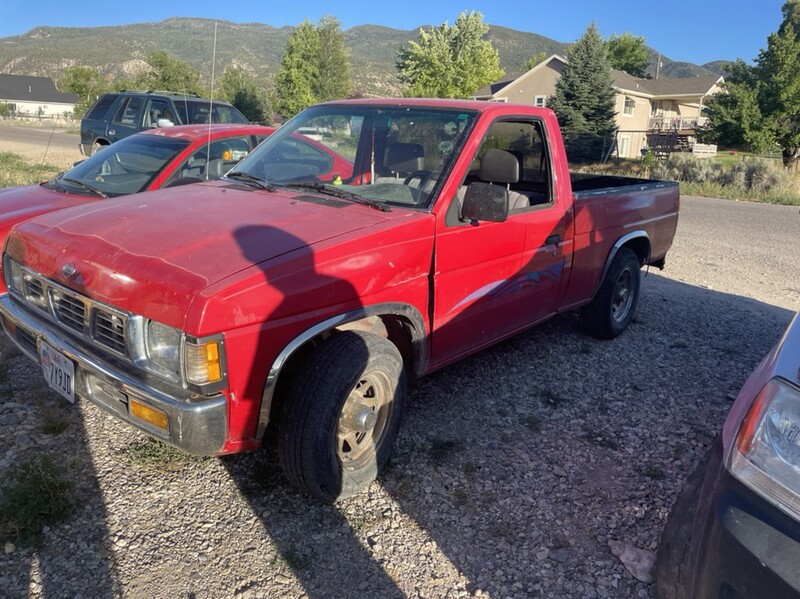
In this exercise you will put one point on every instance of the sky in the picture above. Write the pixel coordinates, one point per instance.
(695, 31)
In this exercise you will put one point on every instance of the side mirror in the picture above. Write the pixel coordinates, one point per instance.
(484, 201)
(164, 123)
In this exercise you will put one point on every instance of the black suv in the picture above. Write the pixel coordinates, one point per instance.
(120, 114)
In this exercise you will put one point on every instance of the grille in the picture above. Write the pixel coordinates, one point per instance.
(109, 329)
(77, 313)
(69, 310)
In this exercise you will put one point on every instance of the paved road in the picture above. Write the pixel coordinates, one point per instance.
(742, 248)
(57, 138)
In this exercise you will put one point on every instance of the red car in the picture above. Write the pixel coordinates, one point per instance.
(146, 161)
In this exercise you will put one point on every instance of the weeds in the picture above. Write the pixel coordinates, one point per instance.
(459, 497)
(654, 472)
(54, 423)
(157, 455)
(33, 494)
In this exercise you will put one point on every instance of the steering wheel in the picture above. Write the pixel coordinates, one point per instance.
(423, 177)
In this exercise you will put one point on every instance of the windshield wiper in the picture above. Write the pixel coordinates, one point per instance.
(249, 179)
(86, 186)
(340, 193)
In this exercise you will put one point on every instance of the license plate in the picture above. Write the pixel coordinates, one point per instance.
(59, 371)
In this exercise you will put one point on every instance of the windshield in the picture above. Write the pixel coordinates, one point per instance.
(394, 155)
(127, 166)
(193, 112)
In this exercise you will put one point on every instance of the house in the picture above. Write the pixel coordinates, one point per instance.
(35, 97)
(661, 114)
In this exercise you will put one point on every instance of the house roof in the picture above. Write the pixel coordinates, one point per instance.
(685, 86)
(491, 90)
(23, 88)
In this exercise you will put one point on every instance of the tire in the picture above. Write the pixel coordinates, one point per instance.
(96, 147)
(612, 309)
(681, 542)
(342, 415)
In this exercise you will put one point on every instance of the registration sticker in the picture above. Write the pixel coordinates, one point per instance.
(59, 371)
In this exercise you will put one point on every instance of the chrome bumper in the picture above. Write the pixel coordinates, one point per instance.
(197, 425)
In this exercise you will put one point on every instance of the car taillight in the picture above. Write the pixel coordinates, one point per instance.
(766, 452)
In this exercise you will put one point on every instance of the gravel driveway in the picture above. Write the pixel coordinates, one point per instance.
(514, 471)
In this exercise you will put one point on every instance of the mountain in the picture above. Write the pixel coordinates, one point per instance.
(120, 51)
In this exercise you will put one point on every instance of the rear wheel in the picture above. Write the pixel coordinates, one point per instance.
(612, 309)
(96, 147)
(342, 415)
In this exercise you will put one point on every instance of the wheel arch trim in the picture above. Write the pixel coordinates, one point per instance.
(620, 243)
(419, 347)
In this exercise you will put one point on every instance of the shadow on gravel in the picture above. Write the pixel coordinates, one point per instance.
(513, 470)
(520, 464)
(31, 417)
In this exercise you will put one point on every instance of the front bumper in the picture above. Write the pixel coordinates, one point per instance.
(197, 425)
(737, 545)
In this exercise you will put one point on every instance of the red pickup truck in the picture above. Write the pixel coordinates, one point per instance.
(301, 291)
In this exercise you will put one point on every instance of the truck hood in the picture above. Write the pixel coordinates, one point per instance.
(152, 254)
(21, 203)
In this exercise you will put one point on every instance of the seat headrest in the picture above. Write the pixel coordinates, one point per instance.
(404, 157)
(499, 166)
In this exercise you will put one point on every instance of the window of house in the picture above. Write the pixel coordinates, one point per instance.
(540, 101)
(628, 108)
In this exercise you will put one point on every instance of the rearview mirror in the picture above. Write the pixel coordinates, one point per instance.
(484, 201)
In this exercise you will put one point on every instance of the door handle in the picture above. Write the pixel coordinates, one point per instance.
(553, 239)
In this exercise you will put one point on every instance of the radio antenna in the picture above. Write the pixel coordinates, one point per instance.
(211, 101)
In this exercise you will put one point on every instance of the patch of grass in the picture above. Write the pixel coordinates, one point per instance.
(585, 349)
(679, 345)
(293, 560)
(54, 422)
(33, 494)
(441, 449)
(550, 397)
(16, 171)
(653, 471)
(3, 373)
(469, 467)
(157, 455)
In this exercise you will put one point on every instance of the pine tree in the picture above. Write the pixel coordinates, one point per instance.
(584, 99)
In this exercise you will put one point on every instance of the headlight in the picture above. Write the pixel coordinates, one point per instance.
(766, 454)
(164, 346)
(12, 271)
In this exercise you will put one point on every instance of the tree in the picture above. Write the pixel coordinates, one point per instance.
(760, 110)
(584, 96)
(314, 68)
(299, 69)
(627, 52)
(534, 60)
(170, 74)
(84, 81)
(241, 89)
(450, 62)
(333, 64)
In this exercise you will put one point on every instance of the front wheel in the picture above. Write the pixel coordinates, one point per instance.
(612, 309)
(343, 415)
